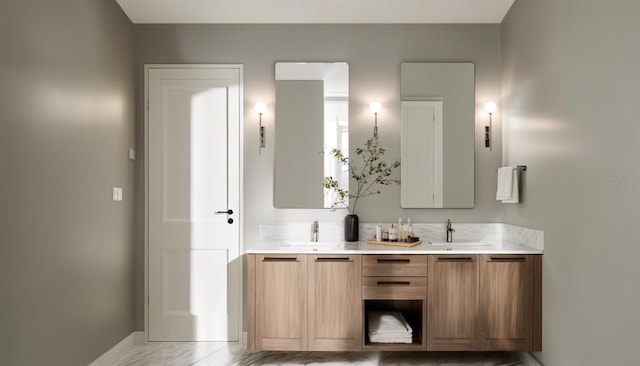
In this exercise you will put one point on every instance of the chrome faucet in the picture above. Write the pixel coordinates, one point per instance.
(314, 232)
(450, 231)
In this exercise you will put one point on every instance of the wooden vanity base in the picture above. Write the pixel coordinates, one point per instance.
(453, 302)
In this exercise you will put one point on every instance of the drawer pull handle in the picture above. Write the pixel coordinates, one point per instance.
(341, 259)
(507, 259)
(400, 260)
(459, 259)
(280, 259)
(394, 283)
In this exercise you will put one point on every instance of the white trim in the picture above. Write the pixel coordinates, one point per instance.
(527, 359)
(116, 352)
(145, 107)
(244, 338)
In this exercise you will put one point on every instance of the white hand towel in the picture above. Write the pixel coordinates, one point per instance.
(397, 339)
(388, 322)
(389, 327)
(508, 190)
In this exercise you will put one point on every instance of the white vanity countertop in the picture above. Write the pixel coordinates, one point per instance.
(364, 248)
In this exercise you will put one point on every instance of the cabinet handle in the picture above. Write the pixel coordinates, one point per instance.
(456, 259)
(341, 259)
(280, 259)
(399, 260)
(507, 259)
(394, 283)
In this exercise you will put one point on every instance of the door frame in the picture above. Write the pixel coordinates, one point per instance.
(147, 68)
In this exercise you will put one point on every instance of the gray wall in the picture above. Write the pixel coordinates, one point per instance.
(299, 134)
(571, 94)
(66, 258)
(374, 54)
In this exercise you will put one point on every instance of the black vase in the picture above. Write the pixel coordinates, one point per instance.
(351, 227)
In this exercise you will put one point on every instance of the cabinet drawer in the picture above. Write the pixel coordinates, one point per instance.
(394, 288)
(394, 265)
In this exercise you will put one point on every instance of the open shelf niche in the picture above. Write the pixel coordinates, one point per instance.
(412, 310)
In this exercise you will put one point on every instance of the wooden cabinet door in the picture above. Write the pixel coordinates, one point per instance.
(335, 302)
(281, 302)
(452, 298)
(506, 302)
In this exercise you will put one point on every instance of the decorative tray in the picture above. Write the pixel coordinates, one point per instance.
(395, 243)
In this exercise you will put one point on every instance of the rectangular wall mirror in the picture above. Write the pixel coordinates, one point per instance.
(437, 135)
(311, 119)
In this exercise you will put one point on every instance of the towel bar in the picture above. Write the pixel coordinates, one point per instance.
(521, 167)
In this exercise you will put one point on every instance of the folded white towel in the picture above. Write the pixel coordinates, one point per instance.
(391, 336)
(508, 190)
(378, 339)
(382, 322)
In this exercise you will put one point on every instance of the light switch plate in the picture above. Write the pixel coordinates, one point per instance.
(132, 154)
(117, 193)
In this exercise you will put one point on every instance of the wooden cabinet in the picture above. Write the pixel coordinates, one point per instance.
(305, 302)
(396, 282)
(280, 302)
(484, 303)
(507, 306)
(452, 303)
(335, 303)
(394, 265)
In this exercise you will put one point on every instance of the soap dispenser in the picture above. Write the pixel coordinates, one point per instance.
(393, 233)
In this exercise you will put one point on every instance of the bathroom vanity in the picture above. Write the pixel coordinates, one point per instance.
(467, 299)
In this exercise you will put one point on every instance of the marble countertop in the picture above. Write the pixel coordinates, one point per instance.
(364, 248)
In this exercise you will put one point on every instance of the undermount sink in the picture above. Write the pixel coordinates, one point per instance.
(460, 244)
(310, 243)
(464, 246)
(311, 246)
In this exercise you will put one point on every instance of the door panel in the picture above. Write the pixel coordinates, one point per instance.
(452, 303)
(506, 289)
(335, 303)
(193, 171)
(281, 302)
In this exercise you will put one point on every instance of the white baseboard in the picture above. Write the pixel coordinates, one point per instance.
(527, 359)
(116, 352)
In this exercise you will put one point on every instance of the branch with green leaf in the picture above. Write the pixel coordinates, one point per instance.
(372, 173)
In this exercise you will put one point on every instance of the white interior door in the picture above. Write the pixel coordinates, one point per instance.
(194, 264)
(421, 154)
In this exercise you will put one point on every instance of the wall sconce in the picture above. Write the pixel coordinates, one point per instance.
(375, 107)
(489, 107)
(261, 108)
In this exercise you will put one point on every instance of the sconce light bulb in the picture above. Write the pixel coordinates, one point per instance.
(375, 107)
(490, 107)
(260, 107)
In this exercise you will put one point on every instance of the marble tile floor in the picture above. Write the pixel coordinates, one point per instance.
(234, 354)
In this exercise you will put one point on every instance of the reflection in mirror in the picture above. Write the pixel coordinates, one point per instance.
(421, 130)
(312, 118)
(438, 129)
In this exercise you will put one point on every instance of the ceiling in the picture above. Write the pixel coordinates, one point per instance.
(315, 11)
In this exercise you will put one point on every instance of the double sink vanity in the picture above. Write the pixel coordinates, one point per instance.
(465, 296)
(478, 295)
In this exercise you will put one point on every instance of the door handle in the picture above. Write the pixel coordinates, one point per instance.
(454, 259)
(399, 260)
(394, 283)
(227, 212)
(507, 259)
(280, 259)
(333, 259)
